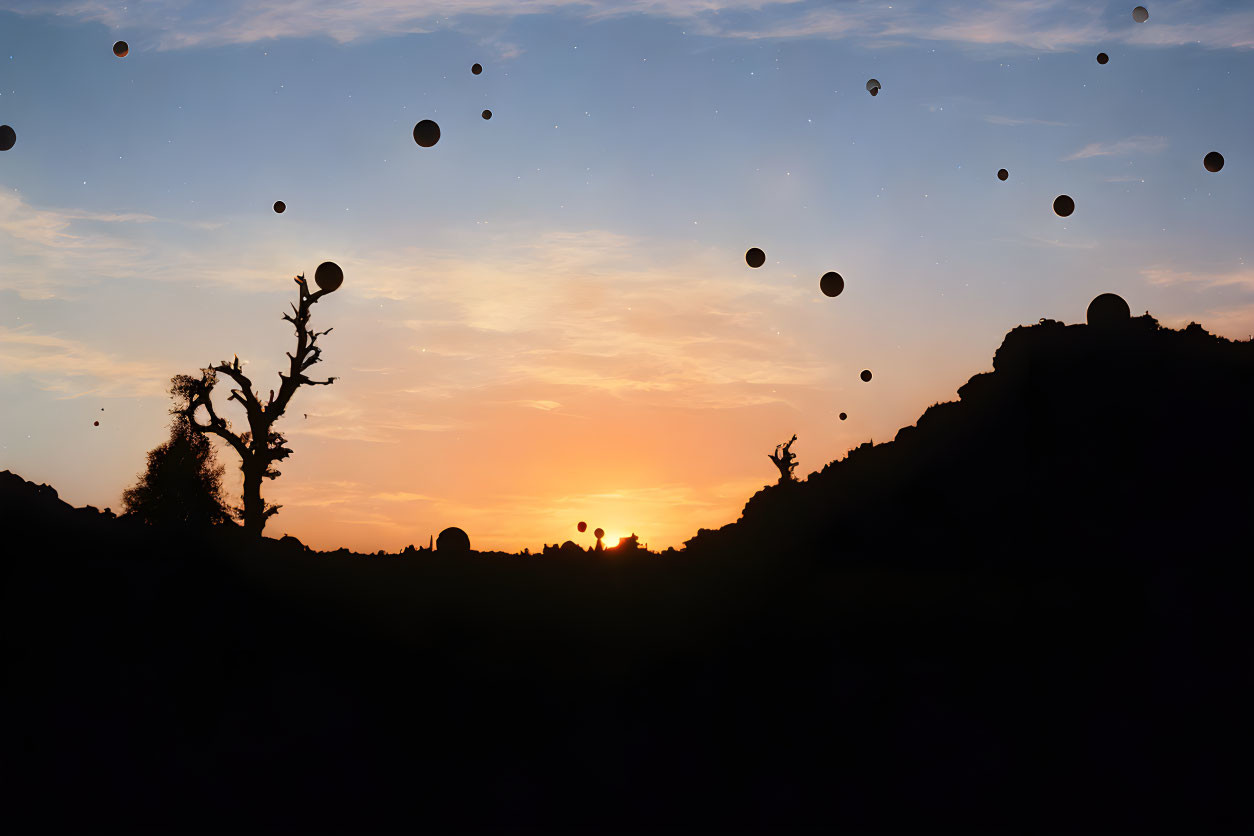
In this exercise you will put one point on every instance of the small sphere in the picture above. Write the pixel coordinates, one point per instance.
(1140, 14)
(426, 133)
(831, 284)
(280, 207)
(329, 276)
(8, 137)
(599, 533)
(754, 257)
(873, 86)
(1213, 161)
(95, 423)
(843, 416)
(487, 114)
(583, 526)
(866, 375)
(476, 68)
(1002, 174)
(1102, 58)
(1063, 205)
(121, 48)
(1108, 309)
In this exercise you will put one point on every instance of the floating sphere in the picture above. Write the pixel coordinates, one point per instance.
(1108, 309)
(1213, 161)
(866, 375)
(487, 114)
(329, 276)
(453, 540)
(280, 207)
(599, 533)
(843, 416)
(1140, 14)
(831, 284)
(121, 48)
(583, 526)
(476, 69)
(873, 86)
(1102, 58)
(8, 137)
(755, 257)
(426, 133)
(1063, 206)
(95, 423)
(1002, 174)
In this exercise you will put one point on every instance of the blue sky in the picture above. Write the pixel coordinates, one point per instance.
(547, 316)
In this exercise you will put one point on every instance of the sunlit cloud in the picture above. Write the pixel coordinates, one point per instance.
(1241, 277)
(71, 369)
(1120, 148)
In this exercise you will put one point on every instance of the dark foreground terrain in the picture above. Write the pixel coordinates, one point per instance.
(1029, 612)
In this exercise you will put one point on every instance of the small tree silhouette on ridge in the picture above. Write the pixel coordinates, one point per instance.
(260, 447)
(784, 459)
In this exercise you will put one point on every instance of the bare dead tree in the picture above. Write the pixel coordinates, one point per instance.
(260, 447)
(784, 459)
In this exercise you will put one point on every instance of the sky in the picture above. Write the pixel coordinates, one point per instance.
(547, 317)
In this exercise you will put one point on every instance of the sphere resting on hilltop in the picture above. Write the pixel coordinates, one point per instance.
(1108, 309)
(453, 540)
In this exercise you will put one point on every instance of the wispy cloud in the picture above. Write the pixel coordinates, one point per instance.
(1239, 277)
(73, 369)
(1013, 122)
(1120, 148)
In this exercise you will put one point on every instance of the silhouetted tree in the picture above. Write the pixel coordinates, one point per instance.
(183, 482)
(784, 459)
(260, 447)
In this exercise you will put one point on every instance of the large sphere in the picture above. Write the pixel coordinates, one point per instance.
(329, 276)
(1213, 161)
(1108, 309)
(120, 49)
(426, 133)
(8, 137)
(453, 540)
(831, 284)
(1140, 14)
(1063, 205)
(755, 257)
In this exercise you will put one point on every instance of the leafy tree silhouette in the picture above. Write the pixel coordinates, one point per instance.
(183, 482)
(260, 447)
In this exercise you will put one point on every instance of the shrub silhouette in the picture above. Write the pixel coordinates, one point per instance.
(182, 485)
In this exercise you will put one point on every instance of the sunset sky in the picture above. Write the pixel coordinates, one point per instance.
(547, 317)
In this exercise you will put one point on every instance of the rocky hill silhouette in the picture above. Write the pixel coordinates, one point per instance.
(1026, 612)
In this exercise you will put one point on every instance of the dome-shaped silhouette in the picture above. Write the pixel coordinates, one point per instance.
(866, 375)
(583, 526)
(1063, 205)
(329, 276)
(487, 114)
(426, 133)
(8, 137)
(453, 540)
(280, 207)
(1002, 174)
(1140, 14)
(873, 86)
(832, 284)
(755, 257)
(476, 68)
(1102, 58)
(843, 416)
(1108, 309)
(599, 533)
(1213, 161)
(121, 48)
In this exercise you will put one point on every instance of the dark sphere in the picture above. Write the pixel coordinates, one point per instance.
(487, 114)
(476, 69)
(1140, 14)
(120, 49)
(843, 416)
(453, 540)
(1002, 174)
(1063, 206)
(866, 375)
(95, 423)
(1102, 58)
(1213, 161)
(329, 276)
(583, 526)
(8, 137)
(755, 257)
(599, 533)
(873, 86)
(1108, 309)
(426, 133)
(280, 207)
(831, 284)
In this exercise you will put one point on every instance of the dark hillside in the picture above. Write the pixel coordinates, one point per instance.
(1028, 612)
